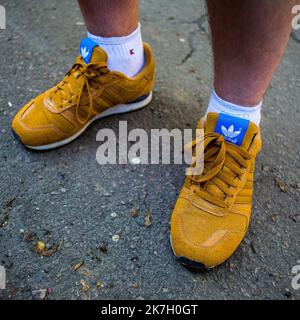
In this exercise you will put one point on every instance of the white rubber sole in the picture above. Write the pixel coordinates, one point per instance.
(118, 109)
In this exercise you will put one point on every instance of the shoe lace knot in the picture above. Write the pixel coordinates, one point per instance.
(225, 165)
(84, 75)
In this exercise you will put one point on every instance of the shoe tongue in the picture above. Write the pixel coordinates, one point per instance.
(91, 52)
(235, 130)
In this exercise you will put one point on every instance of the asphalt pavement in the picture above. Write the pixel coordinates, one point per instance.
(92, 217)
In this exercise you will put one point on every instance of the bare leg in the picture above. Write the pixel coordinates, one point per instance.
(249, 39)
(110, 18)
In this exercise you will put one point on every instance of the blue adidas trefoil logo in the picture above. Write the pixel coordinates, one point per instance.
(230, 133)
(232, 128)
(86, 49)
(84, 52)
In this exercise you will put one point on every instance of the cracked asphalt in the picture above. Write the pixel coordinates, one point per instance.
(92, 217)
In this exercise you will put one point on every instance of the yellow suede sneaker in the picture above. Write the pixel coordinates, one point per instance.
(213, 210)
(88, 92)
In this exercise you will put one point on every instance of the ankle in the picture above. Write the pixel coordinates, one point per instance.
(218, 105)
(125, 54)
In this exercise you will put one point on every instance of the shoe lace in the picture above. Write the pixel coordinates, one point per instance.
(85, 74)
(224, 166)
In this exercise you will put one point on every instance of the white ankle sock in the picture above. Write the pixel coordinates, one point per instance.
(125, 54)
(216, 104)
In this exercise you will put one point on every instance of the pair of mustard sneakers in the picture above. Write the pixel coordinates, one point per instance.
(213, 210)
